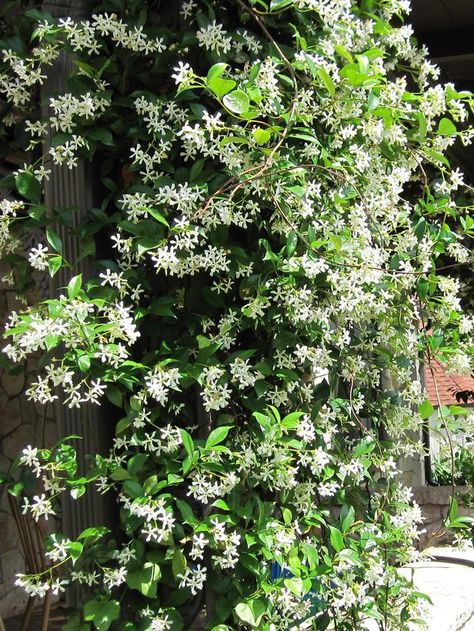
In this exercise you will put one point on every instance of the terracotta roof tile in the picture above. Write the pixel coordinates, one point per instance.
(447, 385)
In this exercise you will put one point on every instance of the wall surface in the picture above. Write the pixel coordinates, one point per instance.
(21, 423)
(434, 502)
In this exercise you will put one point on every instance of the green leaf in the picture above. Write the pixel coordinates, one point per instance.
(263, 420)
(344, 53)
(337, 540)
(365, 446)
(74, 623)
(262, 136)
(74, 286)
(291, 420)
(102, 613)
(136, 463)
(75, 549)
(29, 187)
(425, 410)
(217, 70)
(158, 216)
(196, 170)
(237, 102)
(120, 474)
(295, 585)
(422, 288)
(178, 563)
(145, 580)
(123, 424)
(187, 442)
(327, 80)
(84, 362)
(54, 264)
(453, 509)
(446, 127)
(251, 612)
(101, 134)
(373, 102)
(347, 518)
(220, 87)
(312, 555)
(152, 484)
(220, 503)
(94, 533)
(277, 5)
(291, 242)
(78, 491)
(217, 436)
(114, 395)
(162, 306)
(133, 488)
(462, 522)
(54, 240)
(363, 63)
(436, 156)
(186, 512)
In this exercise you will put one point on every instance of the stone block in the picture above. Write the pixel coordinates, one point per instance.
(10, 537)
(436, 494)
(4, 464)
(28, 412)
(13, 384)
(13, 303)
(3, 302)
(3, 400)
(15, 442)
(31, 365)
(11, 418)
(13, 603)
(4, 505)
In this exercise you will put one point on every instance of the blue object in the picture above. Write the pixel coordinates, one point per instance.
(277, 572)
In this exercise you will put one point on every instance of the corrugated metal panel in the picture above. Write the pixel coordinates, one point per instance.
(72, 188)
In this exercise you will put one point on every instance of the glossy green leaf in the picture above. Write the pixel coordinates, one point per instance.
(262, 136)
(102, 613)
(327, 80)
(29, 187)
(446, 127)
(145, 580)
(101, 134)
(187, 442)
(54, 240)
(217, 436)
(221, 87)
(251, 612)
(337, 540)
(237, 102)
(426, 409)
(74, 286)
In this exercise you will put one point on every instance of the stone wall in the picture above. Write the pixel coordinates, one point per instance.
(21, 423)
(434, 502)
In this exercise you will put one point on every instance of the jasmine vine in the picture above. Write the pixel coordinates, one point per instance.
(281, 210)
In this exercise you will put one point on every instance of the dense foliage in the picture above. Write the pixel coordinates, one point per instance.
(464, 467)
(275, 193)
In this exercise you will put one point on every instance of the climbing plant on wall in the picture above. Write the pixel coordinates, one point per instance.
(275, 192)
